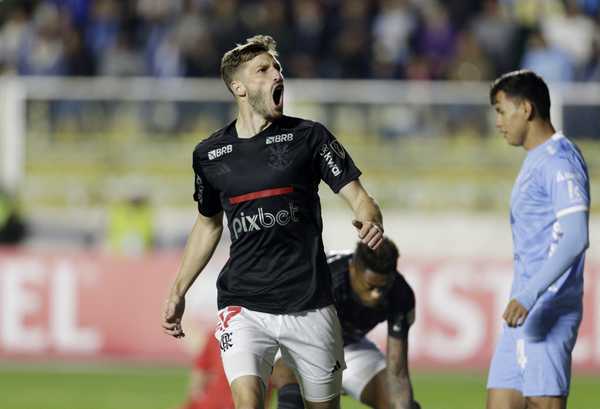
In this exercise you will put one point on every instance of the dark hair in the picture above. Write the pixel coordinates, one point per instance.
(242, 53)
(381, 261)
(524, 84)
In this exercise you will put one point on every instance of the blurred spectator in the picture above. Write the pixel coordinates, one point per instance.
(350, 55)
(103, 27)
(79, 61)
(572, 33)
(12, 225)
(122, 59)
(497, 33)
(393, 31)
(12, 35)
(437, 39)
(550, 63)
(530, 13)
(131, 225)
(470, 64)
(42, 49)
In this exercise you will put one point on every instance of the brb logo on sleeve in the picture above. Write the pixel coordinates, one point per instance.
(245, 223)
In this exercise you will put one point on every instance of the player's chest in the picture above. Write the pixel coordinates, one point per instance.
(251, 165)
(529, 197)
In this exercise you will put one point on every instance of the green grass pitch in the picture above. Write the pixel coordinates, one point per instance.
(112, 387)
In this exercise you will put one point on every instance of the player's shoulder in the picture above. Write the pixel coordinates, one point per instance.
(562, 153)
(402, 293)
(216, 138)
(292, 123)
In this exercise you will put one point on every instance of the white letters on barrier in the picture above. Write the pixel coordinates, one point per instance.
(39, 309)
(21, 300)
(66, 334)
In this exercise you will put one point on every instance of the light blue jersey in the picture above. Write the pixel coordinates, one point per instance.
(553, 183)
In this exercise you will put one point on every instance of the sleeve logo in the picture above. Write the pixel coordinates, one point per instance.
(338, 149)
(328, 159)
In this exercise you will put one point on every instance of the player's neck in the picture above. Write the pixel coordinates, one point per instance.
(539, 132)
(250, 123)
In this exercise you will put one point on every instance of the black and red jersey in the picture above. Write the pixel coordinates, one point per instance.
(357, 319)
(267, 185)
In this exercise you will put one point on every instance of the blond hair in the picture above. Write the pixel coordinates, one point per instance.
(242, 53)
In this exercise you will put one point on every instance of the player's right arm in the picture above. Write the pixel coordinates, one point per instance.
(201, 243)
(200, 246)
(398, 378)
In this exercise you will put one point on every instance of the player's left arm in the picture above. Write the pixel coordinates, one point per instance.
(367, 215)
(398, 377)
(567, 185)
(574, 241)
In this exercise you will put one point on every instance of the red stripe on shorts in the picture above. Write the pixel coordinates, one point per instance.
(260, 194)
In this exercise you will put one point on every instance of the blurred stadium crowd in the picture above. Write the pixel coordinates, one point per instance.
(400, 39)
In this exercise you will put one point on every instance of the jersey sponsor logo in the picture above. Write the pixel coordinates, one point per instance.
(337, 148)
(325, 153)
(264, 220)
(285, 137)
(562, 176)
(217, 153)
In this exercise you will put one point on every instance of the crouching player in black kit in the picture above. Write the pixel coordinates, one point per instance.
(274, 292)
(367, 289)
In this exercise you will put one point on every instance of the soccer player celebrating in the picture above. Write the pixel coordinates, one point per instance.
(531, 366)
(274, 292)
(367, 290)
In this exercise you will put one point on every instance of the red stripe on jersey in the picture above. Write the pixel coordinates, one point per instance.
(260, 194)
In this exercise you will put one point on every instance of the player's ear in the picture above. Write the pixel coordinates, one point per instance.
(528, 109)
(238, 88)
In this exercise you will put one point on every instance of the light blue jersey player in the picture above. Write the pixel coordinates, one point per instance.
(531, 366)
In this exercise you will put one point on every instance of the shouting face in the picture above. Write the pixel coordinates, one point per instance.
(261, 83)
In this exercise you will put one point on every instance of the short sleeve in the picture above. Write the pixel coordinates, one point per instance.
(205, 195)
(568, 185)
(402, 311)
(331, 160)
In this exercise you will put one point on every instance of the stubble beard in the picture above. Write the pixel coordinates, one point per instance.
(258, 102)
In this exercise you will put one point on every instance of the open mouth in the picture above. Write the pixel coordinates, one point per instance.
(278, 94)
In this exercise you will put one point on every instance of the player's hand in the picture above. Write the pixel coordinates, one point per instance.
(369, 233)
(514, 314)
(171, 323)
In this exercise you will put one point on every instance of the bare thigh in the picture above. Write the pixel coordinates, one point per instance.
(546, 402)
(505, 399)
(248, 392)
(375, 394)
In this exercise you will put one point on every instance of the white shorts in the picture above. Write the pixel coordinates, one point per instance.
(364, 361)
(310, 342)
